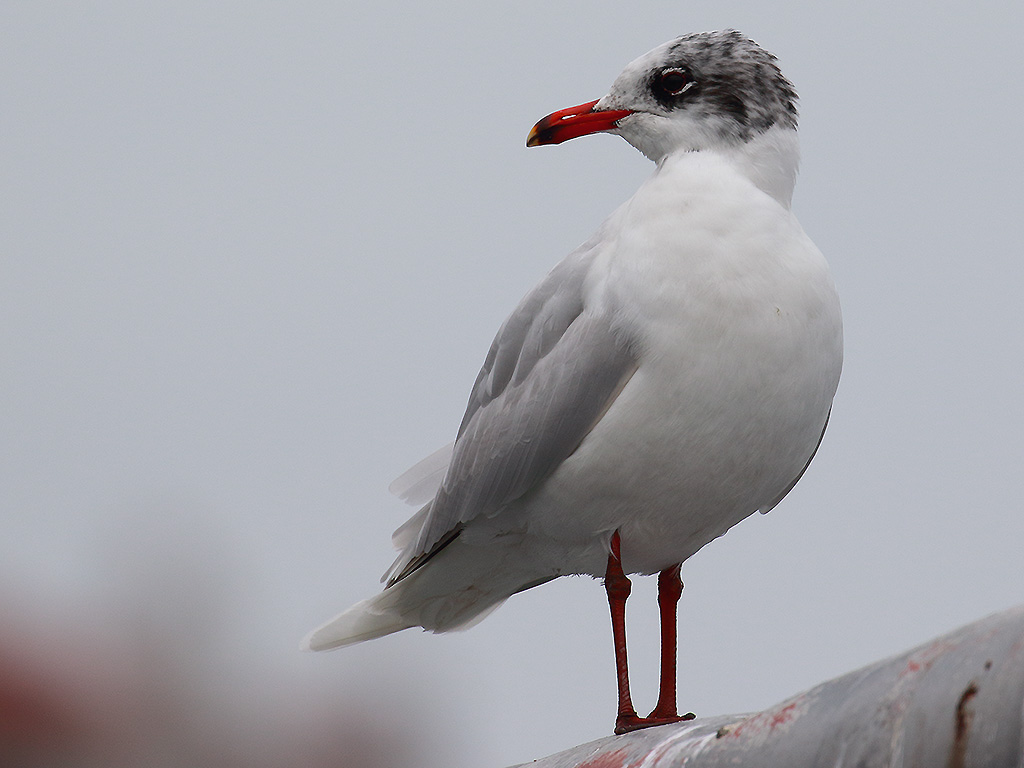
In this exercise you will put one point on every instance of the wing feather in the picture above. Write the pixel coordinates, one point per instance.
(420, 482)
(552, 372)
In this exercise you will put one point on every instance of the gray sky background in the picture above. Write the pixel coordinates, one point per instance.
(253, 255)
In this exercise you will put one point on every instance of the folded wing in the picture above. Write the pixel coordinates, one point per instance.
(553, 370)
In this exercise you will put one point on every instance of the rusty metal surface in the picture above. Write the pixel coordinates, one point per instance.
(955, 702)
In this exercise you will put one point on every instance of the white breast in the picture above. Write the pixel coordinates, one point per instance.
(740, 358)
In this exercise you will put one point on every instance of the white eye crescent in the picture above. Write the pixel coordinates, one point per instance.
(675, 81)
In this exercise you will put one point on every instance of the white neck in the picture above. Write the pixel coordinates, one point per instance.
(770, 160)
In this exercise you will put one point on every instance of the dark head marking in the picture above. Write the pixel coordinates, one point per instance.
(725, 74)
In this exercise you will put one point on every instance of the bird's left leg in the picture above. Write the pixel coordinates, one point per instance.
(670, 588)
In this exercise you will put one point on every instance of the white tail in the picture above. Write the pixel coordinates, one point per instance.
(366, 620)
(459, 587)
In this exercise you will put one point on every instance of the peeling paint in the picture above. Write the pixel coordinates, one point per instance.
(678, 749)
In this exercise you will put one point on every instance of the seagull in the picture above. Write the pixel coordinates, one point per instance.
(670, 377)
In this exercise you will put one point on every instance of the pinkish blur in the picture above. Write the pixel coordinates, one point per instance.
(69, 700)
(143, 674)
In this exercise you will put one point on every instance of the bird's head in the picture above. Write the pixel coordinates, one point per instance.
(700, 91)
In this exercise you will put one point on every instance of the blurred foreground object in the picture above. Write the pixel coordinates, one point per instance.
(955, 701)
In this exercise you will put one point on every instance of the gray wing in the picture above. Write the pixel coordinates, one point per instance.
(551, 373)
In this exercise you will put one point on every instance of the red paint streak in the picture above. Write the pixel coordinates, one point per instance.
(616, 759)
(922, 661)
(765, 721)
(783, 716)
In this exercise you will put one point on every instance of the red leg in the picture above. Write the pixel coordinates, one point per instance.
(670, 587)
(618, 587)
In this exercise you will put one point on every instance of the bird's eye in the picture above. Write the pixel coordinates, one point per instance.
(673, 82)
